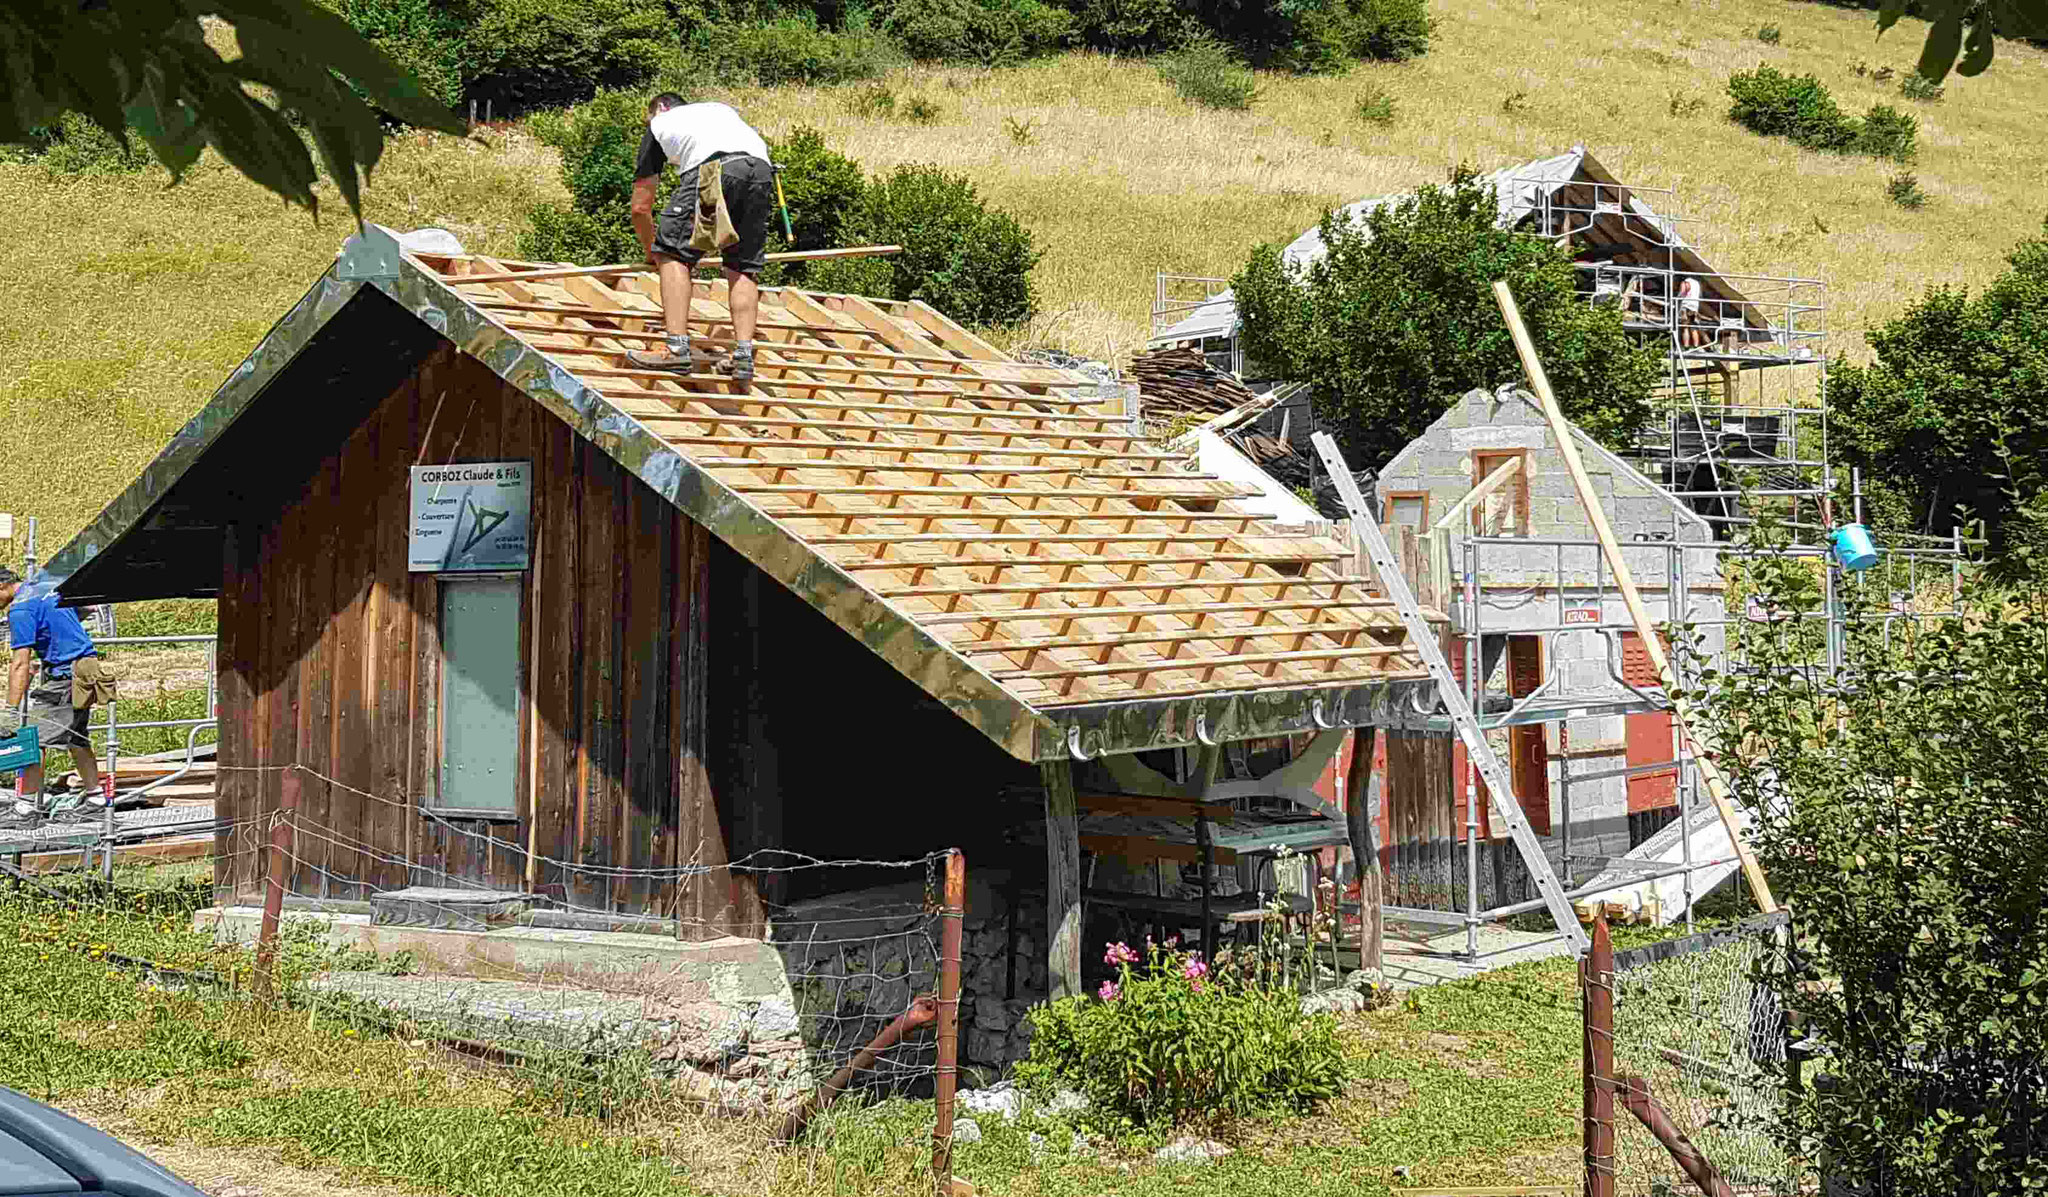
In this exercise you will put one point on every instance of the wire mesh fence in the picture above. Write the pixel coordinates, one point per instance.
(853, 990)
(1686, 1043)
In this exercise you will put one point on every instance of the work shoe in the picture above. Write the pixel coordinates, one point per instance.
(660, 359)
(740, 366)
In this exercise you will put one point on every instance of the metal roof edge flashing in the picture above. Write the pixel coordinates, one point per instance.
(1141, 725)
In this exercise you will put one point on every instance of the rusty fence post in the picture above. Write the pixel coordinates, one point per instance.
(1596, 986)
(951, 916)
(262, 980)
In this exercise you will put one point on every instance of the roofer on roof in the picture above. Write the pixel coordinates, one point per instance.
(73, 679)
(721, 205)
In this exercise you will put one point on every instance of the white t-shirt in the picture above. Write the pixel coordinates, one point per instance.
(690, 133)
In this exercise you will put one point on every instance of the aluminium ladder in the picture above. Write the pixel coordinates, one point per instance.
(1477, 750)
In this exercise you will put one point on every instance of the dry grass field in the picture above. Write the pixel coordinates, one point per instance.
(129, 301)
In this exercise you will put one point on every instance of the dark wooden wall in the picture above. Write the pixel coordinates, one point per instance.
(329, 656)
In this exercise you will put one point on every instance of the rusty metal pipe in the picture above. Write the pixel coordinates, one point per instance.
(263, 980)
(1636, 1099)
(922, 1011)
(951, 916)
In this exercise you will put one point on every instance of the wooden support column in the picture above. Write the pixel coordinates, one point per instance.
(1062, 881)
(1365, 850)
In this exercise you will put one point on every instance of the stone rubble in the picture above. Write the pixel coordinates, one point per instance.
(1190, 1150)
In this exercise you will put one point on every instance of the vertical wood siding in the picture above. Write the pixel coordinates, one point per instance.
(330, 652)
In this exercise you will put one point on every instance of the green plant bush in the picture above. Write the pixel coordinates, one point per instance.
(1800, 109)
(1951, 378)
(794, 49)
(1170, 1041)
(1769, 35)
(1903, 817)
(1888, 133)
(522, 54)
(1915, 86)
(965, 259)
(1376, 107)
(1796, 107)
(1398, 319)
(990, 32)
(1131, 26)
(1318, 36)
(822, 188)
(75, 147)
(1207, 72)
(1904, 190)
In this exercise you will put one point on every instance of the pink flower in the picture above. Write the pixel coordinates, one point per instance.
(1172, 941)
(1195, 984)
(1119, 953)
(1110, 991)
(1194, 970)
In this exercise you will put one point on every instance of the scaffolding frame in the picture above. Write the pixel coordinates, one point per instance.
(1571, 591)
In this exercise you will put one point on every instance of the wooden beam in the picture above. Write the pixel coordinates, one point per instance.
(555, 272)
(1062, 881)
(1171, 808)
(1145, 847)
(1365, 852)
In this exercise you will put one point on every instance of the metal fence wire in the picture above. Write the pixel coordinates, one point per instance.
(1691, 1066)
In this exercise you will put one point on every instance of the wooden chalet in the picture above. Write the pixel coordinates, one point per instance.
(660, 625)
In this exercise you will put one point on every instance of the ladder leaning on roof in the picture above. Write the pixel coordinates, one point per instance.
(1499, 787)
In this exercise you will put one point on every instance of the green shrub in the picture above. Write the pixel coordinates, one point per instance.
(1915, 86)
(1903, 818)
(875, 101)
(1170, 1042)
(1021, 133)
(794, 49)
(1904, 190)
(422, 36)
(1316, 36)
(1206, 72)
(822, 188)
(1949, 378)
(1799, 108)
(1130, 26)
(1796, 107)
(77, 147)
(970, 262)
(1888, 133)
(989, 32)
(1376, 107)
(522, 54)
(1769, 35)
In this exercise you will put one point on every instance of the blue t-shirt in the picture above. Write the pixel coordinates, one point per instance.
(36, 621)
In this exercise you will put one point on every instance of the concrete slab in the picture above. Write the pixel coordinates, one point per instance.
(1413, 957)
(718, 970)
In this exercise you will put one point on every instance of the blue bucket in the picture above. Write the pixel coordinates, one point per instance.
(1854, 548)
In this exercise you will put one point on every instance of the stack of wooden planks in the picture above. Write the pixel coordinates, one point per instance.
(1179, 381)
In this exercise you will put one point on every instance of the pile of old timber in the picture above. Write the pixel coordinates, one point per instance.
(1177, 382)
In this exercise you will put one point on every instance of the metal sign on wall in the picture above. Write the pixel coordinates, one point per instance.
(471, 517)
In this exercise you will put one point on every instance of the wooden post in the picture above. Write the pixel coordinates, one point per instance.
(1062, 881)
(1365, 850)
(1596, 985)
(952, 915)
(1653, 647)
(1207, 850)
(1635, 1096)
(262, 980)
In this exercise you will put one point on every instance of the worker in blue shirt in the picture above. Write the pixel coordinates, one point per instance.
(59, 707)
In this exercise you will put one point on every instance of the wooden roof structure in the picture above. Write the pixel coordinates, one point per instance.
(997, 506)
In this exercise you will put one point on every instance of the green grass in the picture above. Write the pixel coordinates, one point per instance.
(1472, 1083)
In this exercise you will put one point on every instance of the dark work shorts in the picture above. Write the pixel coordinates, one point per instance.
(749, 200)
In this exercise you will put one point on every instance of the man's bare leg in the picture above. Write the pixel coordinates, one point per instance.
(677, 291)
(743, 298)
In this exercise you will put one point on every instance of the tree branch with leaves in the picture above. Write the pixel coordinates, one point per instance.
(146, 67)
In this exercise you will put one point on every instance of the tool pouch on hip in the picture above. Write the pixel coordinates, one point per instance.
(712, 230)
(92, 681)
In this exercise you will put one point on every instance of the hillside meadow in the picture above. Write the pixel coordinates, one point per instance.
(131, 300)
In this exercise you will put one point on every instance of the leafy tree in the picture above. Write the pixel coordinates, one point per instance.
(1904, 819)
(1961, 32)
(964, 258)
(1952, 403)
(146, 65)
(1398, 318)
